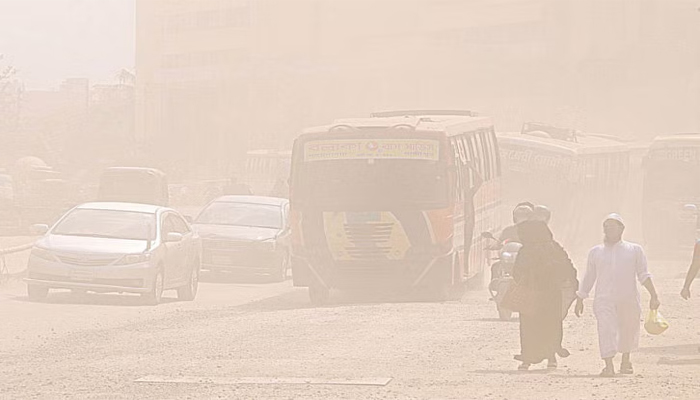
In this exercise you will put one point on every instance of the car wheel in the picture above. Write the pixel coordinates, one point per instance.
(37, 293)
(319, 295)
(189, 291)
(156, 294)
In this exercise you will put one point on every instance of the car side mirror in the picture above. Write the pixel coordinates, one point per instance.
(691, 208)
(173, 237)
(39, 229)
(488, 235)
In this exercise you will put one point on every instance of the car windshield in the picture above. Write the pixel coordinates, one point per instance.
(108, 224)
(241, 214)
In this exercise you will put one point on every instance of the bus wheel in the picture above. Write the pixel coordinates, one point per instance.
(319, 295)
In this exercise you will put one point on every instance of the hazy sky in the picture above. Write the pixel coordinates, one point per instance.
(50, 40)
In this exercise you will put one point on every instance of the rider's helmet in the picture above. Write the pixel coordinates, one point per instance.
(541, 213)
(522, 212)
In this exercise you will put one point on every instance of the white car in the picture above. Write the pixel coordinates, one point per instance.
(116, 247)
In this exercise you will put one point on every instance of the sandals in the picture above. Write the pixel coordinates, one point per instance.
(607, 372)
(626, 368)
(563, 353)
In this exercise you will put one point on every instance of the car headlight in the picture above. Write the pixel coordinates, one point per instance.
(267, 245)
(130, 259)
(43, 254)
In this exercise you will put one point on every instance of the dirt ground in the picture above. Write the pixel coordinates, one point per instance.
(96, 347)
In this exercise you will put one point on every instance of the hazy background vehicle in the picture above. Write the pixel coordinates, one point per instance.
(671, 181)
(135, 185)
(265, 169)
(580, 177)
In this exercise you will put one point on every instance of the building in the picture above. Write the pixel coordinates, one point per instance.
(217, 77)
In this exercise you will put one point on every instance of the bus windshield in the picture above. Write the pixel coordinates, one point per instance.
(373, 183)
(673, 179)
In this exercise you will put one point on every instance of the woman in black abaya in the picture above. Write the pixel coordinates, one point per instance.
(543, 266)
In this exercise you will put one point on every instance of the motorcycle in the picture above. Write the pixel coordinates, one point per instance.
(502, 272)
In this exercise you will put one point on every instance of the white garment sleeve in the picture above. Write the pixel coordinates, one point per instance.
(589, 278)
(642, 267)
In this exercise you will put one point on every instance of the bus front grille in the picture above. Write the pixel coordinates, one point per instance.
(368, 241)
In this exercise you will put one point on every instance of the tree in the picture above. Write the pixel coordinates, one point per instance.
(6, 74)
(10, 91)
(126, 77)
(7, 83)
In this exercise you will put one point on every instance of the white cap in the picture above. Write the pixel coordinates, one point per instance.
(615, 217)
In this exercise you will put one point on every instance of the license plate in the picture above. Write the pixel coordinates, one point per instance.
(81, 275)
(220, 260)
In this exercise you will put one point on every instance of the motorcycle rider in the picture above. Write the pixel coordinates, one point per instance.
(522, 212)
(541, 213)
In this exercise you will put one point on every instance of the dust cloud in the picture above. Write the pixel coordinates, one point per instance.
(349, 198)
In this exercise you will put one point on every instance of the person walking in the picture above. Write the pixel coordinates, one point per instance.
(692, 271)
(613, 268)
(544, 267)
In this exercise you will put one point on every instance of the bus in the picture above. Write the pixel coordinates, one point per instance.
(671, 183)
(266, 168)
(393, 201)
(581, 178)
(134, 185)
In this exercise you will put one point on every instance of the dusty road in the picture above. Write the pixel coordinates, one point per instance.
(97, 347)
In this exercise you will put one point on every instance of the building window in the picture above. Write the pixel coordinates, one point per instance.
(236, 16)
(204, 59)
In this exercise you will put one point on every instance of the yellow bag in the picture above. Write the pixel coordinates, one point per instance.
(655, 323)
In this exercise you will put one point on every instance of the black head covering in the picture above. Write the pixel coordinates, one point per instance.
(532, 232)
(542, 255)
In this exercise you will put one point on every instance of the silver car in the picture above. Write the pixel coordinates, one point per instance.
(116, 247)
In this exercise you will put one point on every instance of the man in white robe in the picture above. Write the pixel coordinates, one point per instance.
(614, 268)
